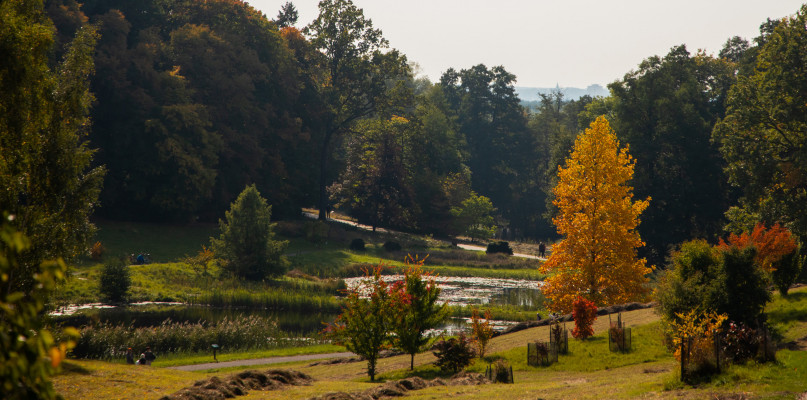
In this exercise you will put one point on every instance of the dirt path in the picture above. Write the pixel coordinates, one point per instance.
(261, 361)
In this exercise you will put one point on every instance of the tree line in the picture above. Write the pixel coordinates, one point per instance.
(193, 101)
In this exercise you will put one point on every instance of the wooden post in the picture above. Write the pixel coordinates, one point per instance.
(683, 359)
(716, 339)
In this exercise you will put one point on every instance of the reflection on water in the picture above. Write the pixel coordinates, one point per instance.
(454, 291)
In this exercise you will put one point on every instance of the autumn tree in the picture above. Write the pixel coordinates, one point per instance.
(597, 216)
(363, 326)
(415, 309)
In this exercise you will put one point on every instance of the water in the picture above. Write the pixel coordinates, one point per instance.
(455, 291)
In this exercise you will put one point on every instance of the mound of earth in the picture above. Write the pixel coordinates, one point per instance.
(400, 387)
(568, 317)
(216, 388)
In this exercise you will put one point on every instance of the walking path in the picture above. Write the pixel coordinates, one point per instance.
(261, 361)
(460, 245)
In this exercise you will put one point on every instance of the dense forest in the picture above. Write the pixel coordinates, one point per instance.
(194, 100)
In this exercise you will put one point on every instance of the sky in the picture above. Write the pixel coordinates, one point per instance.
(571, 43)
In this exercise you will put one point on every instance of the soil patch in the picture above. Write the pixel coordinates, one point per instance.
(216, 388)
(400, 387)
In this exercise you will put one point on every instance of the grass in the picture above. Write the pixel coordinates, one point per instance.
(171, 360)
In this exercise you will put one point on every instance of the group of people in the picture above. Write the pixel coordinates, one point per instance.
(145, 358)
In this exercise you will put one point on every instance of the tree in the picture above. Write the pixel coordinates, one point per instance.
(46, 177)
(665, 112)
(374, 187)
(357, 72)
(363, 326)
(415, 309)
(246, 245)
(29, 355)
(762, 135)
(474, 217)
(115, 281)
(481, 331)
(596, 258)
(584, 313)
(287, 16)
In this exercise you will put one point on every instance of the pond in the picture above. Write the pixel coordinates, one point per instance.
(454, 291)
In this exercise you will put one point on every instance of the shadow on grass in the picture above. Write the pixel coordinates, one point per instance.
(789, 314)
(70, 368)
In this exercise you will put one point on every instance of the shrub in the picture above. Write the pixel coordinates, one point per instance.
(482, 331)
(246, 246)
(499, 247)
(392, 246)
(115, 281)
(316, 231)
(357, 244)
(740, 343)
(97, 251)
(453, 354)
(702, 277)
(787, 271)
(700, 327)
(500, 371)
(584, 314)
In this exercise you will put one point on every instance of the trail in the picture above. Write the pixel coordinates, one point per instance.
(261, 361)
(463, 246)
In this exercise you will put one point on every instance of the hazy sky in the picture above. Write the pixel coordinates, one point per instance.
(573, 43)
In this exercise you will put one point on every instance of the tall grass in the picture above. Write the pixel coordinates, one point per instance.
(106, 341)
(270, 299)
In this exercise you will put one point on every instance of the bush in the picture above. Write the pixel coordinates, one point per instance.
(316, 231)
(453, 354)
(246, 246)
(584, 314)
(702, 277)
(499, 247)
(357, 244)
(740, 343)
(482, 331)
(500, 371)
(392, 246)
(787, 271)
(115, 281)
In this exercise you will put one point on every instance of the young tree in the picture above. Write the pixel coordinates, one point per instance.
(115, 281)
(597, 216)
(482, 331)
(46, 177)
(246, 244)
(474, 217)
(415, 309)
(363, 326)
(584, 313)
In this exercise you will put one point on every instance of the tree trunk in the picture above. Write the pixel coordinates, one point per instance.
(323, 172)
(412, 362)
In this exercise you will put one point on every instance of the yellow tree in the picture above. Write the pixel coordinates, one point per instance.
(598, 217)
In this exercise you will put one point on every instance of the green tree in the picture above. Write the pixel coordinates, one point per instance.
(762, 136)
(665, 111)
(287, 16)
(29, 355)
(363, 327)
(46, 177)
(415, 309)
(246, 245)
(375, 187)
(115, 281)
(474, 217)
(358, 72)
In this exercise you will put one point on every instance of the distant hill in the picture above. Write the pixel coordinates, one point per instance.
(528, 94)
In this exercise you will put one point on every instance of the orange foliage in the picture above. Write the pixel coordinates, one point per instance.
(598, 218)
(584, 314)
(772, 244)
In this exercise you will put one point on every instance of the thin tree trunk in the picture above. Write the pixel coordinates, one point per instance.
(323, 171)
